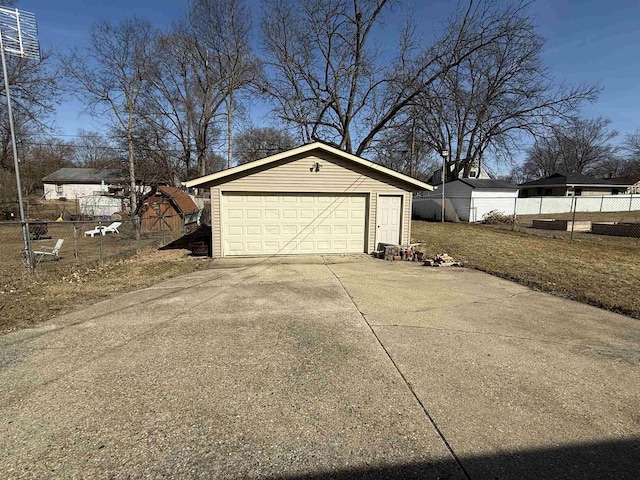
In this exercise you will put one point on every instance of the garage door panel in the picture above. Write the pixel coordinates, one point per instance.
(289, 230)
(268, 224)
(254, 230)
(253, 213)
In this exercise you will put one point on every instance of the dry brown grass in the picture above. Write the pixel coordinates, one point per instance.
(604, 272)
(27, 301)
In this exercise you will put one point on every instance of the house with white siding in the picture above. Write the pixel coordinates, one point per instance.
(77, 183)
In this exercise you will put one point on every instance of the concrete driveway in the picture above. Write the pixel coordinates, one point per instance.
(324, 367)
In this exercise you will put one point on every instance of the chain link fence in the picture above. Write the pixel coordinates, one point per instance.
(584, 217)
(59, 247)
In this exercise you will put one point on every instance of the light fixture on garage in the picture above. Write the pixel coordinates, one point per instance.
(315, 167)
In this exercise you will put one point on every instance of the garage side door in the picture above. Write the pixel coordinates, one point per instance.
(285, 224)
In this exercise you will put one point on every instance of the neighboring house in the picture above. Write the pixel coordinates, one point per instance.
(474, 172)
(468, 200)
(571, 184)
(167, 209)
(633, 184)
(98, 192)
(76, 183)
(312, 199)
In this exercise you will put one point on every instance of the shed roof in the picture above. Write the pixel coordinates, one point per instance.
(84, 175)
(247, 168)
(569, 179)
(488, 184)
(183, 202)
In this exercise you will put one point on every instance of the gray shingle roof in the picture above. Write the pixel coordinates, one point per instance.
(84, 175)
(559, 179)
(488, 184)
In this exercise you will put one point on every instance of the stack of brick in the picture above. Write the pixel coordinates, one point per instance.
(406, 253)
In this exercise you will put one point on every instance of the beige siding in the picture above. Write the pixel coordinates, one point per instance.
(215, 222)
(336, 175)
(373, 209)
(406, 218)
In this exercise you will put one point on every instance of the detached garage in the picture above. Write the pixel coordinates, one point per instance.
(312, 199)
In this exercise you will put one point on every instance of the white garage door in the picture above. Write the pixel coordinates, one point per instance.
(280, 224)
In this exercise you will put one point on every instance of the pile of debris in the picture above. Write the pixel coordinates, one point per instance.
(441, 260)
(407, 253)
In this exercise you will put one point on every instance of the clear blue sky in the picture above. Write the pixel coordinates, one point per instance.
(588, 41)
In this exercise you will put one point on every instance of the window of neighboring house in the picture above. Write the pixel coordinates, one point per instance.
(472, 174)
(615, 191)
(547, 191)
(59, 189)
(577, 192)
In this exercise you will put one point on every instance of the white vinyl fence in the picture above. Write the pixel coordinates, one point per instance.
(473, 209)
(98, 205)
(603, 203)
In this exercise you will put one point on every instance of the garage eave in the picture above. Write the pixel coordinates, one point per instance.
(218, 177)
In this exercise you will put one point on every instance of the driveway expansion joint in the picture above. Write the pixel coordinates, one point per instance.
(408, 384)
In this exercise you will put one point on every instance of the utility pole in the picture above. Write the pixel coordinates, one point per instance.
(413, 145)
(445, 154)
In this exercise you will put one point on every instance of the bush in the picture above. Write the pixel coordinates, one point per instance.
(496, 217)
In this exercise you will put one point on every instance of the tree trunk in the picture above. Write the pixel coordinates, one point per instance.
(132, 179)
(230, 130)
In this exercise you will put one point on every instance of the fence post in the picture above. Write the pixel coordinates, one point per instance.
(630, 201)
(515, 212)
(573, 221)
(601, 202)
(540, 210)
(75, 241)
(137, 226)
(28, 251)
(101, 234)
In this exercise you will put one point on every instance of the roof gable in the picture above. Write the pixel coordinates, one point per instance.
(265, 163)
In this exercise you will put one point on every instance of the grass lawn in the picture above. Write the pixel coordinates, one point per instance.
(604, 271)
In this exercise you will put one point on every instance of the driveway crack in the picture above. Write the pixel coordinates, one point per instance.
(403, 377)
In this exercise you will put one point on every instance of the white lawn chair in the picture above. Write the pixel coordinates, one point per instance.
(103, 230)
(49, 252)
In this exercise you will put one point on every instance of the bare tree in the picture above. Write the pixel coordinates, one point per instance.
(224, 27)
(631, 145)
(35, 91)
(328, 78)
(577, 146)
(497, 92)
(184, 98)
(403, 148)
(92, 149)
(255, 143)
(41, 157)
(112, 72)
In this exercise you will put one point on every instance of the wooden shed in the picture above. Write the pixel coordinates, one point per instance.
(312, 199)
(167, 209)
